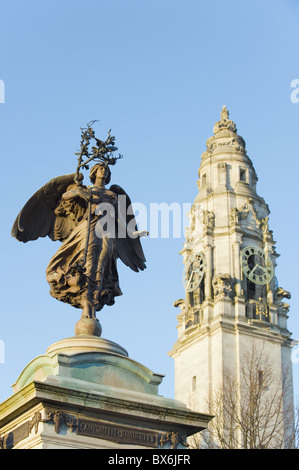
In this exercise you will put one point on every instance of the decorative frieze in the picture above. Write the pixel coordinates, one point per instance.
(100, 430)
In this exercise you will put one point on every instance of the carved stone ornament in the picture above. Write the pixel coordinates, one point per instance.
(181, 304)
(174, 438)
(208, 221)
(189, 234)
(225, 123)
(238, 215)
(222, 167)
(225, 138)
(222, 285)
(37, 418)
(58, 418)
(284, 308)
(280, 294)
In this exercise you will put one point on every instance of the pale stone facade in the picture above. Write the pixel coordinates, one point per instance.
(232, 299)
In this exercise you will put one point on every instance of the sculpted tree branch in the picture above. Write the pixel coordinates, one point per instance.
(102, 152)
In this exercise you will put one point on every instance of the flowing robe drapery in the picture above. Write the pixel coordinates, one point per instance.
(84, 268)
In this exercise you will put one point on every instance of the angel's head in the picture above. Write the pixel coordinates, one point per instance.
(101, 168)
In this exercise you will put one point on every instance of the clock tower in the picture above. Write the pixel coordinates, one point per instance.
(232, 297)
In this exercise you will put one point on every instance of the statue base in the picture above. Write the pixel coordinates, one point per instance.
(88, 326)
(84, 344)
(86, 393)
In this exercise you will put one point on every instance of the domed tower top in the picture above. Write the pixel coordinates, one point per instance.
(225, 138)
(225, 122)
(225, 164)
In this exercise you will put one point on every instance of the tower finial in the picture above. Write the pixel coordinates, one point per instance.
(224, 113)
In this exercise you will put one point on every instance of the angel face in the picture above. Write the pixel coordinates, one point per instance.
(100, 171)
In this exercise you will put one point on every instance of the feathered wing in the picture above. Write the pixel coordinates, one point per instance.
(38, 218)
(129, 248)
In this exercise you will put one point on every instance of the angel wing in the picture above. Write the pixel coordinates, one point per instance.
(129, 248)
(38, 218)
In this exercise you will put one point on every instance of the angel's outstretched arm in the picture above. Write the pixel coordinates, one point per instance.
(130, 227)
(141, 233)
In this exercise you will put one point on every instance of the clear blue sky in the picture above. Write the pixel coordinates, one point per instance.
(157, 73)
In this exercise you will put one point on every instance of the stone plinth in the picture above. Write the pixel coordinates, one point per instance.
(85, 392)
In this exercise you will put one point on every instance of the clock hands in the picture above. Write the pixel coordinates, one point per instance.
(194, 272)
(191, 275)
(256, 265)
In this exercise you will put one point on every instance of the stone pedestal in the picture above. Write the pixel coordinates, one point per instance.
(86, 393)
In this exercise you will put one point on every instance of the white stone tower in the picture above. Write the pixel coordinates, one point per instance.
(232, 298)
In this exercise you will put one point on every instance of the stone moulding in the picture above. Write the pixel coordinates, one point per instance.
(74, 414)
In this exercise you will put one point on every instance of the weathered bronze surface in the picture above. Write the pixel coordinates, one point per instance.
(96, 226)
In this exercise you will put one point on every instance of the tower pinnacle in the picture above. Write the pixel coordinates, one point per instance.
(224, 113)
(225, 124)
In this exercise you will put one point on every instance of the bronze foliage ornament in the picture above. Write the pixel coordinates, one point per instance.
(96, 226)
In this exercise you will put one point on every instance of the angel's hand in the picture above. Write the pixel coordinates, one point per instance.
(141, 233)
(78, 193)
(85, 194)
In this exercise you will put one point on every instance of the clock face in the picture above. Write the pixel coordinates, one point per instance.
(194, 272)
(256, 265)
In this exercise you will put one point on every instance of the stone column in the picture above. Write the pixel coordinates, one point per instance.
(237, 268)
(209, 270)
(222, 170)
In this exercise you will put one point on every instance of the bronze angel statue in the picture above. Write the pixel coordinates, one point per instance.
(94, 228)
